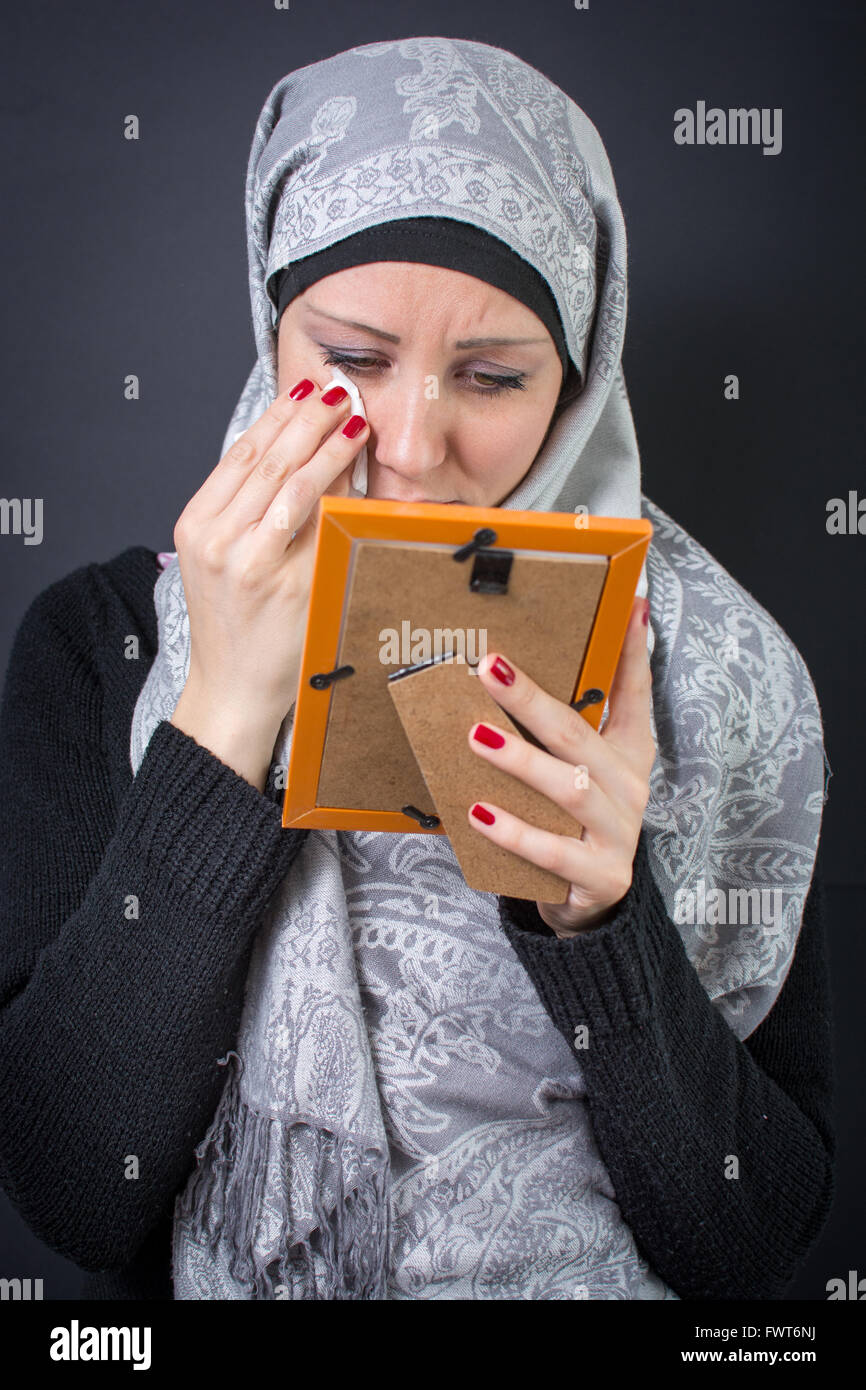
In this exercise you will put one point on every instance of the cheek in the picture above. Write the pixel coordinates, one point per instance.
(501, 443)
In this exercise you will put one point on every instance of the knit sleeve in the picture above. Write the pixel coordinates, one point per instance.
(126, 924)
(720, 1151)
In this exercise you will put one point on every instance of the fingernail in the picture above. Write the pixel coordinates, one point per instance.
(353, 425)
(646, 611)
(303, 388)
(481, 814)
(502, 671)
(335, 395)
(488, 736)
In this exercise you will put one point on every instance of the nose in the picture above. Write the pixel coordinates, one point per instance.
(409, 432)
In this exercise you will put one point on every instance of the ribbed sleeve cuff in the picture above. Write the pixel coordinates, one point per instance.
(608, 977)
(195, 821)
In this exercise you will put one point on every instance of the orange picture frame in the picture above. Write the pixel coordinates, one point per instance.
(344, 522)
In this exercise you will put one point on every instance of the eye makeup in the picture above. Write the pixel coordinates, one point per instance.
(368, 365)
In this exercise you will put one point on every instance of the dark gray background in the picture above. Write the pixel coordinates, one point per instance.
(127, 257)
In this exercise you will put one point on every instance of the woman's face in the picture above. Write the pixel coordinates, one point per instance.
(459, 380)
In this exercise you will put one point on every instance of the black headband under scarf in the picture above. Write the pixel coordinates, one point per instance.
(440, 241)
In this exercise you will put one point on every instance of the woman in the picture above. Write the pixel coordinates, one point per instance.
(430, 1091)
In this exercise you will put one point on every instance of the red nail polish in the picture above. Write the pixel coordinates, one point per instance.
(353, 426)
(483, 815)
(488, 736)
(502, 671)
(335, 395)
(646, 612)
(303, 388)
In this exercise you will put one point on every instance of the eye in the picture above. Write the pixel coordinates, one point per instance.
(492, 384)
(362, 364)
(480, 382)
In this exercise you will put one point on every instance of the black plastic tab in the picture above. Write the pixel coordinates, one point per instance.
(484, 536)
(322, 679)
(589, 697)
(427, 822)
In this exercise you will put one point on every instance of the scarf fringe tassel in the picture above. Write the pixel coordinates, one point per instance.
(343, 1251)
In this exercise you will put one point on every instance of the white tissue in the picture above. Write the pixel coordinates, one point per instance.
(358, 485)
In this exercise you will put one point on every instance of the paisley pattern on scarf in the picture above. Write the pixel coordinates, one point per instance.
(737, 792)
(515, 1210)
(401, 1119)
(520, 1205)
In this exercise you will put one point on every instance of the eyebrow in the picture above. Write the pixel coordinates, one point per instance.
(393, 338)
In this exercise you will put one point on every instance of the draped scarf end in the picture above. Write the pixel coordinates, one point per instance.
(340, 1250)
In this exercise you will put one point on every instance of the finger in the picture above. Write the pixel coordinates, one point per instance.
(568, 786)
(571, 859)
(628, 726)
(236, 464)
(297, 500)
(564, 732)
(311, 423)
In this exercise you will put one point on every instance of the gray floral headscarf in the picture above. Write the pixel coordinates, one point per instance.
(336, 1166)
